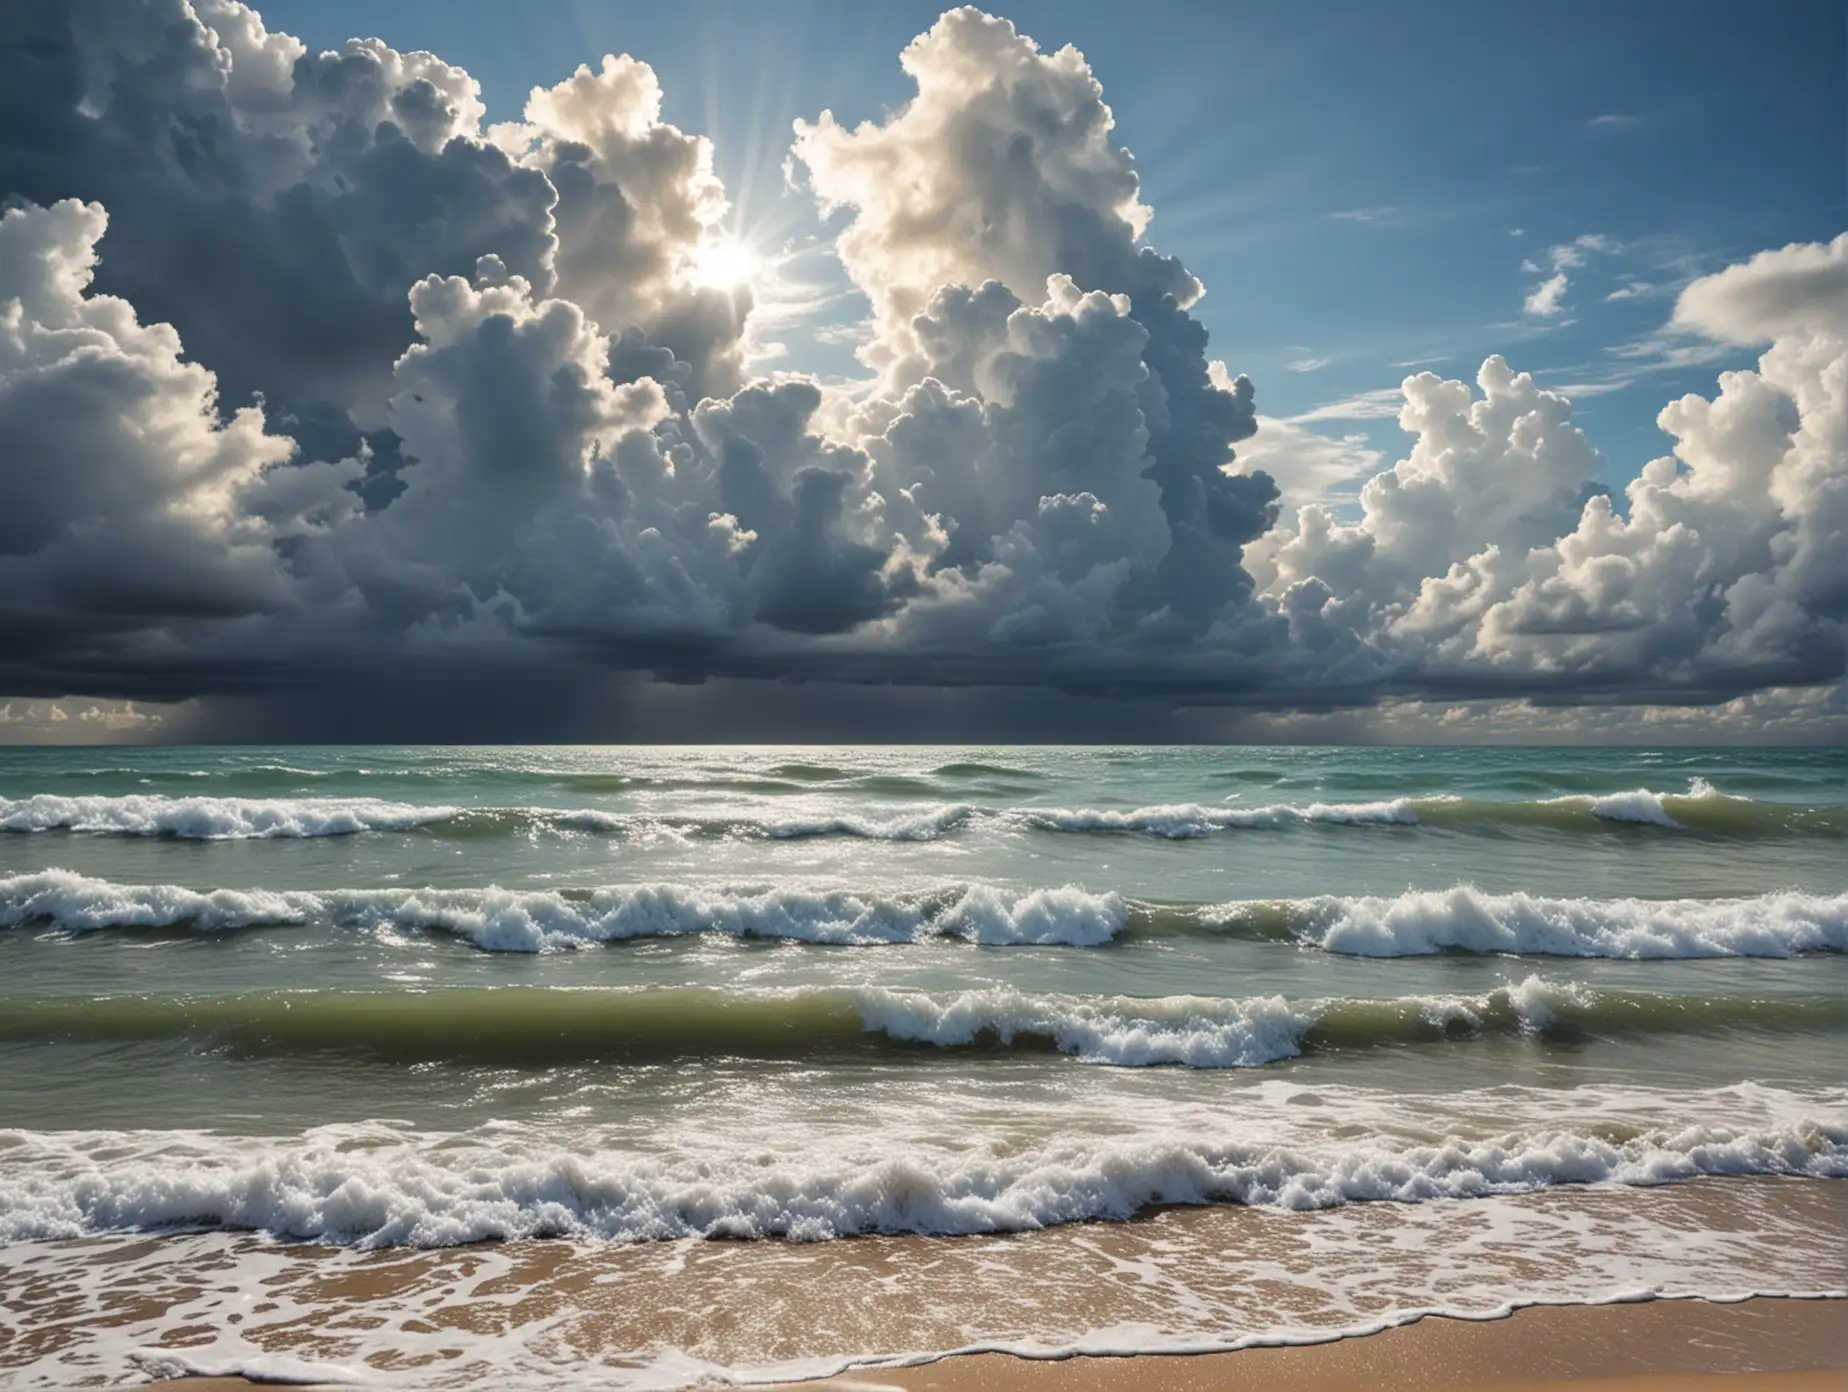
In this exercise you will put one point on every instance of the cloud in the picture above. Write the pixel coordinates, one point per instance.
(1489, 555)
(1366, 216)
(637, 202)
(276, 205)
(1614, 122)
(1382, 404)
(1309, 467)
(1633, 290)
(307, 377)
(1796, 292)
(1548, 297)
(120, 525)
(77, 722)
(1003, 169)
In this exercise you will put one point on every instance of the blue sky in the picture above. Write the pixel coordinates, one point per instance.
(1358, 185)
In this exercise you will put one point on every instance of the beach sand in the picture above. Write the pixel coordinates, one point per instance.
(1763, 1345)
(1786, 1345)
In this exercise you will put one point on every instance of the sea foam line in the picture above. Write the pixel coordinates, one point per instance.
(1462, 918)
(216, 818)
(1465, 919)
(1702, 810)
(405, 1192)
(543, 920)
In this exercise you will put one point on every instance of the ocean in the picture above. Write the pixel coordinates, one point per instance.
(457, 1067)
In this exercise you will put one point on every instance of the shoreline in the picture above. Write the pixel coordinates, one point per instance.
(1760, 1344)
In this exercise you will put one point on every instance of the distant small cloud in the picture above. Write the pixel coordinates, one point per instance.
(1548, 297)
(1309, 364)
(73, 720)
(1310, 467)
(1600, 387)
(854, 334)
(1366, 216)
(1517, 231)
(1666, 352)
(1382, 404)
(1614, 121)
(1635, 290)
(1568, 255)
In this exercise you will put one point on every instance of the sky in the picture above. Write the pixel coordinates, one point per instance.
(418, 388)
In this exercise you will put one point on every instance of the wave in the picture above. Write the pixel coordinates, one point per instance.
(1701, 811)
(235, 819)
(384, 1189)
(533, 1027)
(1464, 919)
(1181, 821)
(1415, 923)
(216, 818)
(541, 920)
(928, 825)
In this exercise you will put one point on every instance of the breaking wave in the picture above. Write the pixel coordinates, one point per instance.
(540, 920)
(1701, 811)
(1415, 923)
(387, 1189)
(1464, 919)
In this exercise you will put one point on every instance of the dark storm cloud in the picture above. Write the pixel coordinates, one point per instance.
(307, 379)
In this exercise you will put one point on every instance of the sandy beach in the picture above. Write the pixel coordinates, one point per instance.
(1762, 1345)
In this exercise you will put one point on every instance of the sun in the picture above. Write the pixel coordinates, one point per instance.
(724, 263)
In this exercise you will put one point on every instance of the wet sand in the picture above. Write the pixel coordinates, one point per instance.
(1763, 1345)
(1756, 1346)
(1190, 1280)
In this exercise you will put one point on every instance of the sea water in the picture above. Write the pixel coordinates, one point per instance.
(1040, 1049)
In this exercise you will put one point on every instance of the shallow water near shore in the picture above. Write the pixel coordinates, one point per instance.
(1419, 1029)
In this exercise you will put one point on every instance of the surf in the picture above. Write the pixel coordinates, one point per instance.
(527, 1027)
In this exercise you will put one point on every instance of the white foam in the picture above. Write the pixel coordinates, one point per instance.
(82, 904)
(1466, 919)
(392, 1189)
(927, 825)
(249, 1364)
(1643, 806)
(125, 1305)
(504, 920)
(214, 818)
(1638, 805)
(1182, 821)
(1200, 1032)
(1534, 1002)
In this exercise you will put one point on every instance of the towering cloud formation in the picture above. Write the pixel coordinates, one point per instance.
(276, 205)
(1488, 560)
(1003, 169)
(351, 378)
(124, 550)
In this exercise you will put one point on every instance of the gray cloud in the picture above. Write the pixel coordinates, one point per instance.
(324, 375)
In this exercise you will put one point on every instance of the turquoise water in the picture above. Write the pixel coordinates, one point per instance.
(407, 998)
